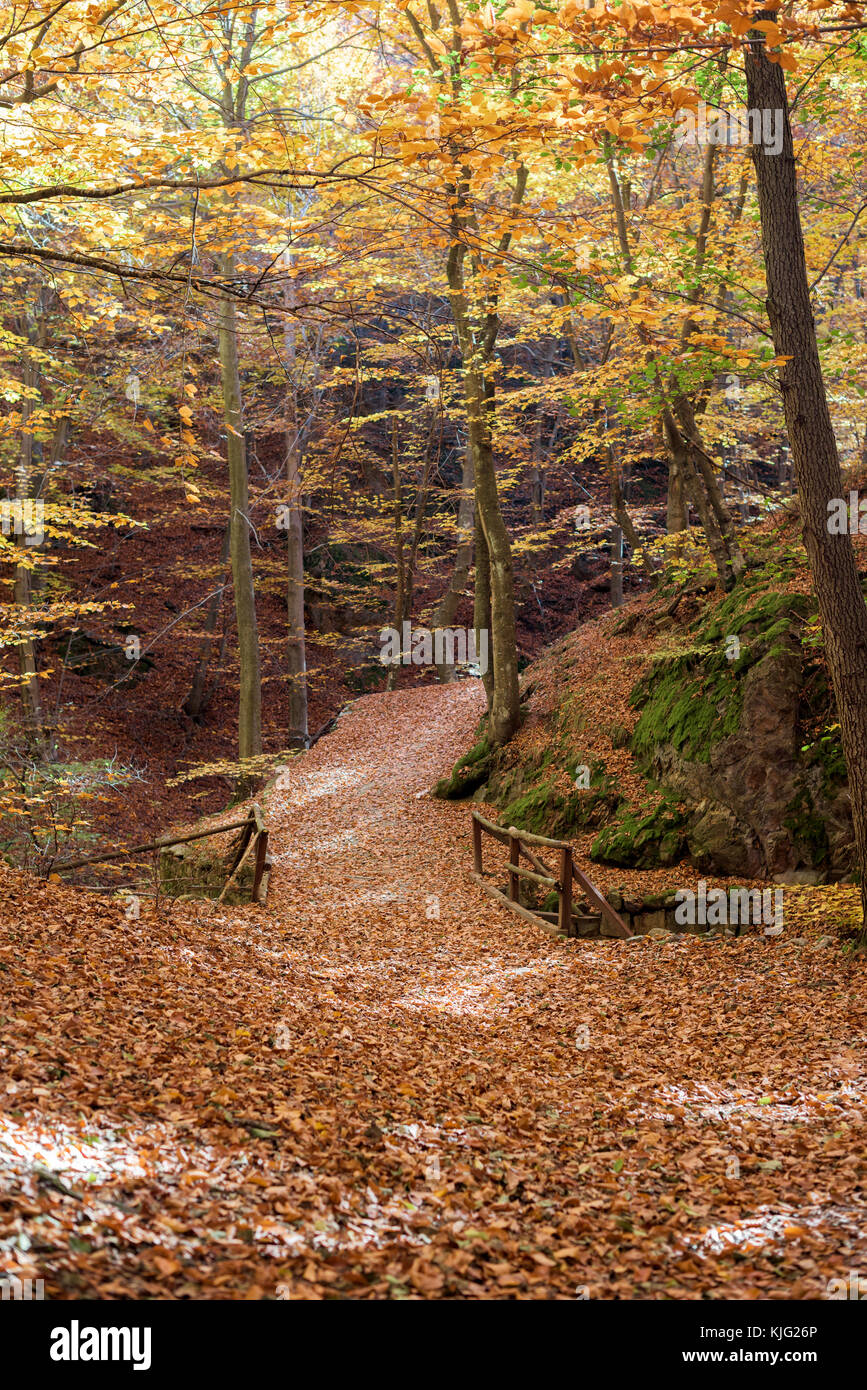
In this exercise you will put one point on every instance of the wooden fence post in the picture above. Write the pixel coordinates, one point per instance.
(514, 856)
(477, 846)
(565, 920)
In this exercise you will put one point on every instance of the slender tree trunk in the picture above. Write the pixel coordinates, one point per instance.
(616, 584)
(250, 699)
(814, 448)
(482, 606)
(400, 591)
(31, 700)
(197, 701)
(537, 472)
(447, 607)
(296, 645)
(505, 708)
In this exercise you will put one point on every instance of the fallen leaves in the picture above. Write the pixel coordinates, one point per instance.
(341, 1097)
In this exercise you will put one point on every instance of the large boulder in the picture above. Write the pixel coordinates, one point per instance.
(724, 739)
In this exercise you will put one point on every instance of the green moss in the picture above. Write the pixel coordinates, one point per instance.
(636, 841)
(807, 828)
(545, 810)
(687, 708)
(693, 698)
(468, 774)
(532, 810)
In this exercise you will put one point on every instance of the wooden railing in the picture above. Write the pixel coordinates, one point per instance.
(254, 837)
(519, 842)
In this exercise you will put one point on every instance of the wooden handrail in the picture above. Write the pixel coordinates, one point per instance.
(254, 836)
(517, 841)
(164, 843)
(544, 879)
(503, 835)
(516, 907)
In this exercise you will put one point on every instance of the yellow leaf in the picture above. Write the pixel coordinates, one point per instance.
(771, 31)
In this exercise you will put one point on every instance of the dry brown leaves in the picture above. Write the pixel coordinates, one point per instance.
(383, 1086)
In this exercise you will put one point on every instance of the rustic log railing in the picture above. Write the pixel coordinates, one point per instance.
(254, 836)
(519, 842)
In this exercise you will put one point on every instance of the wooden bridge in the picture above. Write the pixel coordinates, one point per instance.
(568, 923)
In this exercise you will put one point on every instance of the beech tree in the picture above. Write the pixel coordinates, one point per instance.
(808, 421)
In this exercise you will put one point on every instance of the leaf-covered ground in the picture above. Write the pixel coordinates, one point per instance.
(384, 1086)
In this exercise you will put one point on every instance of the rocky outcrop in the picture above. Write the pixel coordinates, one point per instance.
(756, 800)
(734, 733)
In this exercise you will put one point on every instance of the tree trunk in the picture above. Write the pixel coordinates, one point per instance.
(296, 646)
(197, 701)
(400, 590)
(31, 701)
(447, 607)
(505, 707)
(493, 550)
(616, 583)
(250, 696)
(814, 448)
(482, 605)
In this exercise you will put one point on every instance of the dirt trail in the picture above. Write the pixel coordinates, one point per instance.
(386, 1086)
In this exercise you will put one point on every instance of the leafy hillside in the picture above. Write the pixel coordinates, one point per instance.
(690, 726)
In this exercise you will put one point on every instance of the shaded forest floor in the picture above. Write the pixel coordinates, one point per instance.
(384, 1086)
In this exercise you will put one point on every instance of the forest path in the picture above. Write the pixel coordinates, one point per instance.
(572, 1103)
(386, 1086)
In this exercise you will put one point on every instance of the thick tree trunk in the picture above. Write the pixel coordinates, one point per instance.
(447, 607)
(814, 448)
(250, 698)
(493, 550)
(482, 606)
(675, 516)
(505, 706)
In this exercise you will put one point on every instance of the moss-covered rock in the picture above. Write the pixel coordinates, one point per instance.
(545, 810)
(642, 841)
(468, 774)
(720, 729)
(734, 731)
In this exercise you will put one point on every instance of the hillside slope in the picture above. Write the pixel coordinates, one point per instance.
(689, 727)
